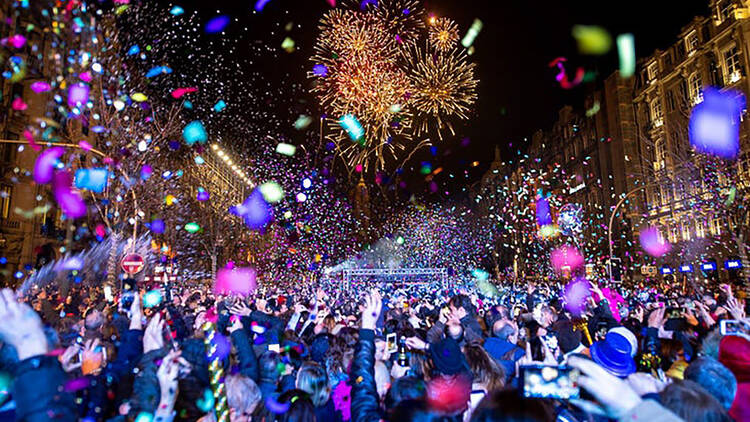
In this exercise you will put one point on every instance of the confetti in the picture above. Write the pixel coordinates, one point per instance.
(286, 149)
(592, 39)
(45, 164)
(217, 24)
(472, 34)
(239, 281)
(653, 242)
(69, 201)
(626, 53)
(94, 179)
(219, 106)
(715, 123)
(194, 132)
(40, 86)
(179, 92)
(177, 11)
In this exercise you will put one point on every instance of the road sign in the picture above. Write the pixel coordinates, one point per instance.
(132, 263)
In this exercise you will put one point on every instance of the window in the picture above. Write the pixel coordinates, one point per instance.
(732, 66)
(691, 42)
(660, 154)
(695, 88)
(700, 229)
(670, 100)
(724, 10)
(653, 71)
(714, 226)
(5, 194)
(657, 118)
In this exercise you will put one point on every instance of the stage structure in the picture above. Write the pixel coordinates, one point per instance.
(396, 275)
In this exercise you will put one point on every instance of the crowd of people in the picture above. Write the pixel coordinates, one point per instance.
(374, 352)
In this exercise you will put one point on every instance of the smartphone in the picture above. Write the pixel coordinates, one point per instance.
(555, 382)
(108, 294)
(274, 348)
(674, 312)
(128, 293)
(391, 345)
(728, 327)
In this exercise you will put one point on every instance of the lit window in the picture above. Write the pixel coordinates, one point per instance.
(691, 42)
(695, 88)
(5, 194)
(653, 71)
(659, 154)
(714, 226)
(700, 229)
(724, 10)
(732, 66)
(657, 117)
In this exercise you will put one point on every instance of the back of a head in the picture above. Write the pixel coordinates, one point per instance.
(405, 388)
(312, 379)
(715, 378)
(692, 403)
(419, 411)
(300, 409)
(268, 366)
(243, 395)
(510, 406)
(485, 369)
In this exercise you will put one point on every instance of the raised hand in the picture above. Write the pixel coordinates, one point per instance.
(66, 359)
(136, 313)
(167, 376)
(92, 358)
(241, 309)
(152, 337)
(21, 327)
(614, 395)
(656, 318)
(371, 313)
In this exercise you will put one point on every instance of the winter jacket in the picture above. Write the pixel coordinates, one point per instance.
(501, 350)
(146, 394)
(365, 405)
(247, 359)
(38, 391)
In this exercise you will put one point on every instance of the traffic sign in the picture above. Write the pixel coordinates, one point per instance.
(132, 263)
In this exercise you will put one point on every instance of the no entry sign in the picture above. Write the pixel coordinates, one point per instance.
(132, 263)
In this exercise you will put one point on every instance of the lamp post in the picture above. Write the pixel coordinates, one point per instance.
(611, 221)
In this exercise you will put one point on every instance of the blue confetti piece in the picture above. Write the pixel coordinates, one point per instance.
(217, 24)
(219, 106)
(134, 50)
(177, 11)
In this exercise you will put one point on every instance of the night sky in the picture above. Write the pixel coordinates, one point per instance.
(518, 92)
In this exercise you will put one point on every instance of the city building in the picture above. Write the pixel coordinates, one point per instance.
(709, 51)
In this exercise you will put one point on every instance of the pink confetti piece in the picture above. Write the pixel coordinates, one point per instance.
(653, 242)
(239, 281)
(45, 164)
(40, 86)
(15, 41)
(566, 256)
(68, 199)
(575, 294)
(332, 3)
(30, 138)
(76, 384)
(179, 92)
(85, 145)
(85, 76)
(19, 105)
(100, 230)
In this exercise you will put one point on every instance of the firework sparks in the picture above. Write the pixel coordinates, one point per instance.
(443, 86)
(443, 34)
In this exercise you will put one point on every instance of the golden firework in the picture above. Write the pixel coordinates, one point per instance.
(443, 34)
(443, 86)
(405, 19)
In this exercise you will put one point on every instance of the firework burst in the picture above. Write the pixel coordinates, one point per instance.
(443, 86)
(367, 65)
(443, 34)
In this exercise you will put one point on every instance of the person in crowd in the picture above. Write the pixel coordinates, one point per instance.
(316, 352)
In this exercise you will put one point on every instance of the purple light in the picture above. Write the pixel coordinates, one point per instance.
(260, 4)
(320, 70)
(69, 201)
(714, 124)
(543, 213)
(217, 24)
(78, 94)
(45, 164)
(566, 256)
(653, 243)
(256, 212)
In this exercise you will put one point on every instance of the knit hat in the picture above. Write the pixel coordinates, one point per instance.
(613, 354)
(629, 336)
(447, 357)
(734, 353)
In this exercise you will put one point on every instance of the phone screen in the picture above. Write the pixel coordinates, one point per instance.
(274, 348)
(558, 382)
(390, 339)
(730, 327)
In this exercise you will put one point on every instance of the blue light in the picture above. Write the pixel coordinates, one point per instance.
(306, 183)
(688, 268)
(733, 264)
(19, 274)
(708, 266)
(666, 270)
